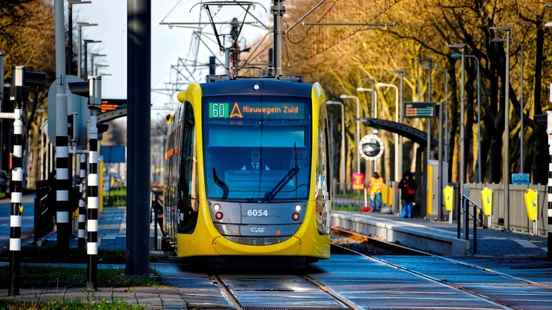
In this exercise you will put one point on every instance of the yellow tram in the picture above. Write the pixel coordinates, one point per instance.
(248, 170)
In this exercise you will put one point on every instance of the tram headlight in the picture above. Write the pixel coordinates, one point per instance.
(298, 208)
(216, 207)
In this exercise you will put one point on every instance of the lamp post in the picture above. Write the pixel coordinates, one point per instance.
(522, 108)
(398, 165)
(342, 155)
(375, 114)
(69, 61)
(98, 66)
(461, 47)
(478, 68)
(93, 56)
(506, 135)
(357, 132)
(85, 67)
(80, 25)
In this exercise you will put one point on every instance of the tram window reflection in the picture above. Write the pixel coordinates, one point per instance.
(251, 160)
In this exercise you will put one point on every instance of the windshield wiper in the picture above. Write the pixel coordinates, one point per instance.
(220, 183)
(281, 184)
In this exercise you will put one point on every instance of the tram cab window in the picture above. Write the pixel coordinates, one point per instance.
(187, 193)
(247, 156)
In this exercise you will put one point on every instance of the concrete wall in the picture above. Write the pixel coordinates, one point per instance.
(518, 213)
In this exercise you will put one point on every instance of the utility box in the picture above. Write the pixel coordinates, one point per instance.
(432, 203)
(76, 105)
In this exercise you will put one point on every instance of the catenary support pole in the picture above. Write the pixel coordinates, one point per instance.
(62, 162)
(506, 134)
(278, 11)
(82, 204)
(549, 190)
(462, 132)
(138, 131)
(522, 109)
(92, 201)
(442, 106)
(2, 62)
(16, 186)
(69, 54)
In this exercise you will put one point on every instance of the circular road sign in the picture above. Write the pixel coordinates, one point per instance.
(370, 147)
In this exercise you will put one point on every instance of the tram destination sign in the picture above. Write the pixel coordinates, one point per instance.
(419, 110)
(256, 110)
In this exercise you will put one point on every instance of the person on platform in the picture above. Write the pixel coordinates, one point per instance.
(408, 194)
(376, 188)
(157, 206)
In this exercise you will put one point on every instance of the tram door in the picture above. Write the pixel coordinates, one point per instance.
(188, 202)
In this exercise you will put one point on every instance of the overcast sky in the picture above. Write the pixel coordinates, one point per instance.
(167, 44)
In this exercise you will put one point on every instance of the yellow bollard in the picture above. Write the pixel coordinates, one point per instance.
(487, 204)
(531, 205)
(448, 195)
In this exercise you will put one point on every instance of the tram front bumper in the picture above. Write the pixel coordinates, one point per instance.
(290, 247)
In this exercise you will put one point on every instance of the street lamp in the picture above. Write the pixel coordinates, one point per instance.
(506, 135)
(456, 56)
(86, 42)
(374, 99)
(97, 66)
(374, 114)
(342, 155)
(80, 25)
(398, 164)
(461, 47)
(93, 56)
(357, 133)
(69, 64)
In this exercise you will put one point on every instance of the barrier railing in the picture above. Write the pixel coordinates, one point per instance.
(466, 202)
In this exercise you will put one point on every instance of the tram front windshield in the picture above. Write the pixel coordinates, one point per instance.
(257, 149)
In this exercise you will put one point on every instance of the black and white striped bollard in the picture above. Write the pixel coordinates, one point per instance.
(62, 180)
(82, 203)
(92, 201)
(16, 187)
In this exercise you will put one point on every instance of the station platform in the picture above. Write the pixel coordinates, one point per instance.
(439, 237)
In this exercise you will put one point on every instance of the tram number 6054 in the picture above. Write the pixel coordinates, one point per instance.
(257, 212)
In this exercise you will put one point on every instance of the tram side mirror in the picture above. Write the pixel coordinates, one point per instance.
(181, 97)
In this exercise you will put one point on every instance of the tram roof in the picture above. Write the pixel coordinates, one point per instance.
(268, 87)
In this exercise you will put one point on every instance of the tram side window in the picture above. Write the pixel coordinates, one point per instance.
(322, 177)
(188, 195)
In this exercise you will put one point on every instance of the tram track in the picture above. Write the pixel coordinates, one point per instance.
(233, 295)
(357, 237)
(429, 278)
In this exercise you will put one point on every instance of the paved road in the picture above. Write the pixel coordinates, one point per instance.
(27, 221)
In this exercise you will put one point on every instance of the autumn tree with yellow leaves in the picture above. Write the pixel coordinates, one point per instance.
(345, 44)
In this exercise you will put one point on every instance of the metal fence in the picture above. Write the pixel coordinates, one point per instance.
(518, 214)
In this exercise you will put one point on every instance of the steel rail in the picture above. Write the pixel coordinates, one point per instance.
(448, 259)
(429, 278)
(340, 299)
(226, 292)
(332, 293)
